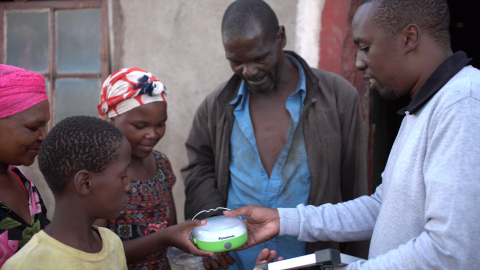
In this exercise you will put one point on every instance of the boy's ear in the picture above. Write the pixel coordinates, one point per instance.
(83, 182)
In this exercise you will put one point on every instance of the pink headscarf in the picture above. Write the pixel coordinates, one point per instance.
(129, 88)
(19, 90)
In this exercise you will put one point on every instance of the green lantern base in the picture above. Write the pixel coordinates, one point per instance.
(222, 245)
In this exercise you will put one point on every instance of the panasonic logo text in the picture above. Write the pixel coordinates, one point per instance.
(226, 237)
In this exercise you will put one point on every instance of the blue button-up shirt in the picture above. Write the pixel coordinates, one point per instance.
(289, 182)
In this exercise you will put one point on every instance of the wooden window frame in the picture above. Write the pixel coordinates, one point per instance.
(53, 6)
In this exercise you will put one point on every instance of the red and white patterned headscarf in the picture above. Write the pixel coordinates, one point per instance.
(127, 89)
(20, 89)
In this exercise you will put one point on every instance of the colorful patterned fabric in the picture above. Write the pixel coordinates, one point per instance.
(19, 90)
(147, 211)
(14, 231)
(125, 89)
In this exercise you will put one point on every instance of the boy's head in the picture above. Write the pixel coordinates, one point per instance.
(88, 156)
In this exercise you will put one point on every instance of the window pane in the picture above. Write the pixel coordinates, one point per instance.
(78, 41)
(28, 40)
(76, 97)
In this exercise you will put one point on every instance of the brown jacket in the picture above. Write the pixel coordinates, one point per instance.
(334, 138)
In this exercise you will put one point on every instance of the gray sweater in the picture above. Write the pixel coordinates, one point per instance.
(426, 213)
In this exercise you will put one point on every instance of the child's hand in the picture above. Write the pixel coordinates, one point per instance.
(178, 236)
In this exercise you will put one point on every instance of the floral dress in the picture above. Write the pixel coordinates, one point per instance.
(147, 211)
(14, 231)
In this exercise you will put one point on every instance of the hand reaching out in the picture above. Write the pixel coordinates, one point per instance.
(179, 237)
(262, 223)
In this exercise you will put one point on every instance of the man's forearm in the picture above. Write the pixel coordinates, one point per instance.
(350, 221)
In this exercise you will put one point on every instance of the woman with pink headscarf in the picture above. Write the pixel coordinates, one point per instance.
(24, 112)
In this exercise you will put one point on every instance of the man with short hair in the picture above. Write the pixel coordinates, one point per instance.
(278, 133)
(425, 214)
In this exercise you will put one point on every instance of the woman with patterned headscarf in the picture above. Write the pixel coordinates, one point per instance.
(134, 101)
(24, 112)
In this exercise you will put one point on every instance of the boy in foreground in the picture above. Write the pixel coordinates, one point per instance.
(84, 161)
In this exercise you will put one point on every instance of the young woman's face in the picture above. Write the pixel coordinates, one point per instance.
(22, 134)
(143, 127)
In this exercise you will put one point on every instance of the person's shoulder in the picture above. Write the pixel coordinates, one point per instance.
(225, 91)
(161, 157)
(210, 99)
(106, 232)
(467, 80)
(215, 102)
(108, 236)
(16, 170)
(28, 256)
(329, 81)
(114, 243)
(465, 85)
(334, 92)
(324, 74)
(214, 94)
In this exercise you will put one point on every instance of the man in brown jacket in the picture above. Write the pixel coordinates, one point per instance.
(277, 134)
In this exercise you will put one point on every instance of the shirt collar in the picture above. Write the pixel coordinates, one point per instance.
(444, 72)
(302, 85)
(242, 91)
